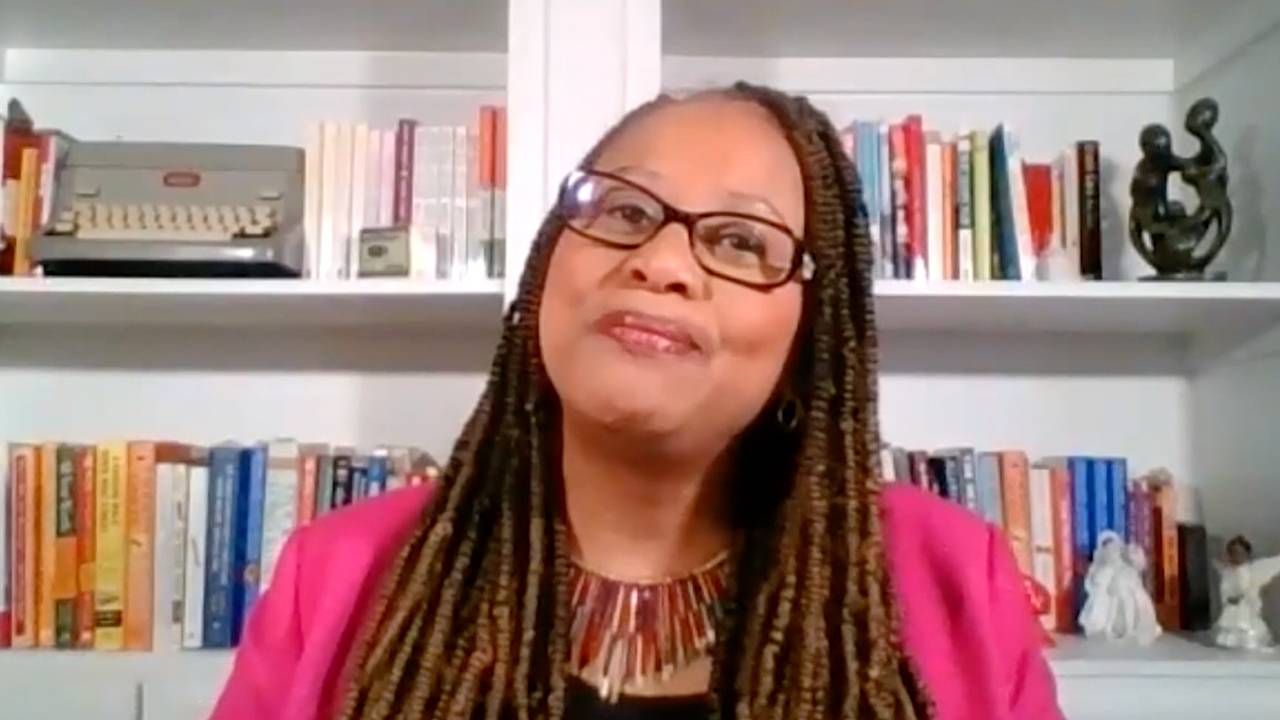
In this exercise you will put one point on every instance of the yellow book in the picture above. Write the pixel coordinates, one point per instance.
(110, 565)
(28, 182)
(46, 524)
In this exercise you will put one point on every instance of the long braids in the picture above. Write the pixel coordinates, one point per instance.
(472, 619)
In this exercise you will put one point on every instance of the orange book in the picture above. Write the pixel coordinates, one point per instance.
(488, 127)
(140, 533)
(500, 148)
(950, 266)
(308, 468)
(1060, 498)
(1165, 529)
(1016, 492)
(28, 202)
(65, 570)
(24, 472)
(85, 542)
(47, 526)
(109, 583)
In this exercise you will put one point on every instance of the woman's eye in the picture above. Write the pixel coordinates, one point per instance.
(630, 214)
(738, 242)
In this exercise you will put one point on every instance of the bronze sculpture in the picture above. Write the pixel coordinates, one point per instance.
(1161, 230)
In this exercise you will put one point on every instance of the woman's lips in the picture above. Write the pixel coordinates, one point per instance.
(646, 334)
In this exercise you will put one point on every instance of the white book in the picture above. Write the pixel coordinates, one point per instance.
(1040, 492)
(458, 204)
(170, 558)
(475, 208)
(964, 206)
(1021, 211)
(313, 175)
(387, 177)
(325, 267)
(359, 180)
(441, 146)
(373, 180)
(279, 504)
(933, 207)
(1071, 212)
(342, 201)
(425, 218)
(197, 528)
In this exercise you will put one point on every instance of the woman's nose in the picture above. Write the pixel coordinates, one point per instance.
(666, 264)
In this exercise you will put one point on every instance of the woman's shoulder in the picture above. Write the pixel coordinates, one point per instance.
(919, 522)
(366, 530)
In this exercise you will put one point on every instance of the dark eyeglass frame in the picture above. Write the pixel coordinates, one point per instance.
(801, 260)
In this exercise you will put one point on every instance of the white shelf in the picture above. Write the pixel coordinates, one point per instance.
(1143, 308)
(441, 25)
(400, 303)
(1170, 656)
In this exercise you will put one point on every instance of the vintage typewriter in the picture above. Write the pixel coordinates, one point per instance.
(130, 209)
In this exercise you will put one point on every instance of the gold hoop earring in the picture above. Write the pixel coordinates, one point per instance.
(789, 413)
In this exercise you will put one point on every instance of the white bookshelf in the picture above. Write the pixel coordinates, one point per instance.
(1177, 375)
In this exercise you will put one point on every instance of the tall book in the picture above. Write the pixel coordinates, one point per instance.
(65, 563)
(6, 544)
(326, 252)
(982, 238)
(916, 196)
(196, 570)
(313, 153)
(140, 521)
(901, 218)
(24, 473)
(989, 489)
(1015, 489)
(1069, 166)
(1090, 198)
(219, 579)
(1084, 529)
(1038, 179)
(172, 463)
(1063, 548)
(402, 204)
(1043, 554)
(18, 135)
(964, 207)
(110, 581)
(86, 542)
(308, 481)
(1118, 477)
(1004, 232)
(950, 248)
(934, 198)
(882, 214)
(359, 192)
(1194, 579)
(47, 541)
(343, 487)
(1166, 598)
(280, 503)
(342, 196)
(247, 536)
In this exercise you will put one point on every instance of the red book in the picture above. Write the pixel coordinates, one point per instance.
(1039, 181)
(1016, 496)
(308, 470)
(488, 138)
(950, 251)
(85, 542)
(1063, 602)
(24, 470)
(402, 200)
(914, 130)
(1165, 530)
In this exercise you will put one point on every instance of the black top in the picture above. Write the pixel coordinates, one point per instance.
(584, 703)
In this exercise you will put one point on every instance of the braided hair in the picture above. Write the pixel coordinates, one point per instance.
(472, 619)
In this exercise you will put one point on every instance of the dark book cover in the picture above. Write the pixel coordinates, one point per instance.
(343, 489)
(919, 461)
(1005, 264)
(65, 565)
(937, 469)
(1194, 581)
(1088, 158)
(324, 484)
(247, 571)
(359, 477)
(219, 588)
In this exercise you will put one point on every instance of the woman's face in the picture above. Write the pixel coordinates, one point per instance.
(643, 341)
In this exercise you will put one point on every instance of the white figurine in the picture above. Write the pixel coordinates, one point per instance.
(1118, 606)
(1240, 626)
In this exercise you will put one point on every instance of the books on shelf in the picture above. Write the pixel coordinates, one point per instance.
(137, 545)
(444, 185)
(1052, 511)
(30, 159)
(970, 206)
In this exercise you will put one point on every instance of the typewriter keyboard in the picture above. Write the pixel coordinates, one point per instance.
(193, 223)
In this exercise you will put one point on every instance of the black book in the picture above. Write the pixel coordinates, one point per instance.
(1193, 578)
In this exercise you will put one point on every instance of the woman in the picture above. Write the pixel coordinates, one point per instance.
(666, 502)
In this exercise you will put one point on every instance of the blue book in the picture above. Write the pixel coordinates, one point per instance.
(360, 477)
(378, 466)
(990, 494)
(1119, 473)
(219, 603)
(1004, 233)
(248, 542)
(1083, 532)
(1100, 496)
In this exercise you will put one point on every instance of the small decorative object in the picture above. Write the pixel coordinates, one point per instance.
(384, 252)
(627, 635)
(1168, 238)
(1240, 626)
(1118, 607)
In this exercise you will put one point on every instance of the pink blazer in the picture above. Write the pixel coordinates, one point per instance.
(966, 620)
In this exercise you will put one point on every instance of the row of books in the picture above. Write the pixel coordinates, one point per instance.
(138, 545)
(29, 162)
(444, 185)
(1053, 510)
(971, 207)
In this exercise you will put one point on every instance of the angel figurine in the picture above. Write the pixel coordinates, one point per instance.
(1118, 606)
(1240, 626)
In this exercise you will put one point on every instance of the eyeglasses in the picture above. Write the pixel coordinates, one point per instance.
(742, 248)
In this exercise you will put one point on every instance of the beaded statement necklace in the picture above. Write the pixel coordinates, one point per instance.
(628, 634)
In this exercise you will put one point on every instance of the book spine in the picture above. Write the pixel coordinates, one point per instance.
(1040, 492)
(6, 508)
(324, 484)
(343, 490)
(313, 154)
(424, 250)
(247, 538)
(341, 210)
(990, 500)
(500, 191)
(325, 246)
(1017, 507)
(377, 475)
(28, 197)
(65, 568)
(1090, 197)
(161, 587)
(308, 475)
(1168, 605)
(1082, 531)
(950, 243)
(969, 479)
(1100, 497)
(86, 541)
(193, 590)
(954, 478)
(359, 477)
(935, 243)
(359, 192)
(920, 471)
(402, 207)
(918, 190)
(373, 180)
(1140, 501)
(280, 503)
(882, 213)
(936, 469)
(901, 201)
(1194, 580)
(1063, 548)
(1071, 213)
(110, 582)
(219, 612)
(981, 171)
(1118, 472)
(47, 541)
(964, 208)
(140, 521)
(1026, 253)
(24, 468)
